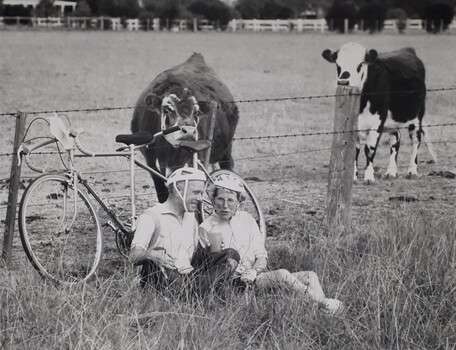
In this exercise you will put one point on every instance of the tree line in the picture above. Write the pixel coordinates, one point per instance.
(368, 14)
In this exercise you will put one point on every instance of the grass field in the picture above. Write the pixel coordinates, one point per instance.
(395, 268)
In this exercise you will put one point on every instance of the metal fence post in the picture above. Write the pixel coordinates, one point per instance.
(14, 184)
(341, 167)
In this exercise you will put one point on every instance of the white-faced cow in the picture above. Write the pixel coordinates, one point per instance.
(393, 97)
(180, 96)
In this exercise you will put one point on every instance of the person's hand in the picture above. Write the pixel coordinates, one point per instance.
(160, 257)
(249, 276)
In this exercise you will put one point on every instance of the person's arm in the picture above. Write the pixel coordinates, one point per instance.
(261, 256)
(261, 264)
(203, 237)
(139, 256)
(140, 250)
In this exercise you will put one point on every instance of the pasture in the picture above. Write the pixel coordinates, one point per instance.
(395, 268)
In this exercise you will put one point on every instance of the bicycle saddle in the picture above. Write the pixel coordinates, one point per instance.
(138, 138)
(194, 146)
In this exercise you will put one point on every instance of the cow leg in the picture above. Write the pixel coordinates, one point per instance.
(227, 160)
(358, 149)
(395, 143)
(160, 185)
(369, 150)
(415, 138)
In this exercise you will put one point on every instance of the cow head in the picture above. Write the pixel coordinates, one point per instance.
(351, 61)
(177, 108)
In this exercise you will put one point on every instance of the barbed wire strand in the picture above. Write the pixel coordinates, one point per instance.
(269, 137)
(254, 179)
(236, 160)
(256, 100)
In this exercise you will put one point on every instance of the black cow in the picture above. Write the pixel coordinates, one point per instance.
(393, 96)
(181, 96)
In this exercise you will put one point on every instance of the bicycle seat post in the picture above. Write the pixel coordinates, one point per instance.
(70, 159)
(195, 160)
(132, 187)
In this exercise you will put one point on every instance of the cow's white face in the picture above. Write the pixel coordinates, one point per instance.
(351, 61)
(177, 111)
(180, 112)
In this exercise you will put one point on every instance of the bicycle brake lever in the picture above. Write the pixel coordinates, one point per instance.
(75, 133)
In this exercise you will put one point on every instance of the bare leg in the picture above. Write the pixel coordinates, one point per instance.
(280, 279)
(305, 283)
(310, 279)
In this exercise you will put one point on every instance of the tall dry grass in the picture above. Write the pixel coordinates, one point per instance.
(396, 276)
(395, 272)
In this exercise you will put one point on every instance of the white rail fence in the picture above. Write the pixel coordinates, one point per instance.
(177, 25)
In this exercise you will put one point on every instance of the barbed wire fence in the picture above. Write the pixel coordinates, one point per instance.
(7, 182)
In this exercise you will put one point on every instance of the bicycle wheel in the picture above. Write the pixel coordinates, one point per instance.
(250, 205)
(61, 237)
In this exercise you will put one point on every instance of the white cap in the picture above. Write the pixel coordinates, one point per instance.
(230, 182)
(185, 174)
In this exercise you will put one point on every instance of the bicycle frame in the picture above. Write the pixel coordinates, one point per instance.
(196, 163)
(76, 177)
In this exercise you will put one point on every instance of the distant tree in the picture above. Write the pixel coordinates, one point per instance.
(249, 9)
(119, 8)
(371, 17)
(273, 9)
(438, 17)
(414, 8)
(213, 10)
(94, 6)
(16, 10)
(338, 12)
(1, 8)
(400, 16)
(170, 10)
(45, 8)
(82, 9)
(145, 15)
(264, 9)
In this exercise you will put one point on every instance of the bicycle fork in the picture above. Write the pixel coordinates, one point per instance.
(73, 179)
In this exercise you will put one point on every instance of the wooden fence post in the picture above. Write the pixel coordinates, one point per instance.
(14, 184)
(210, 134)
(341, 167)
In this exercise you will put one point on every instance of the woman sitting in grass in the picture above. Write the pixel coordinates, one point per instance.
(229, 227)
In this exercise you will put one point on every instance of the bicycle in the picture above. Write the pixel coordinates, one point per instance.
(60, 228)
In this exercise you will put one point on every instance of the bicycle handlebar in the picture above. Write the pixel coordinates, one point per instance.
(77, 143)
(79, 146)
(169, 131)
(33, 166)
(25, 152)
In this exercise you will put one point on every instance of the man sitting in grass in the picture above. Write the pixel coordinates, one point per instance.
(238, 230)
(167, 235)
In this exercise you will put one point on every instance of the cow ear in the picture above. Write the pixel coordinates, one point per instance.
(371, 55)
(152, 101)
(329, 55)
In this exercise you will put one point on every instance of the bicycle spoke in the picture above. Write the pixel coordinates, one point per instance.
(62, 243)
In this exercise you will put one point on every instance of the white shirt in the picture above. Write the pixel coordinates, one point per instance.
(179, 239)
(245, 237)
